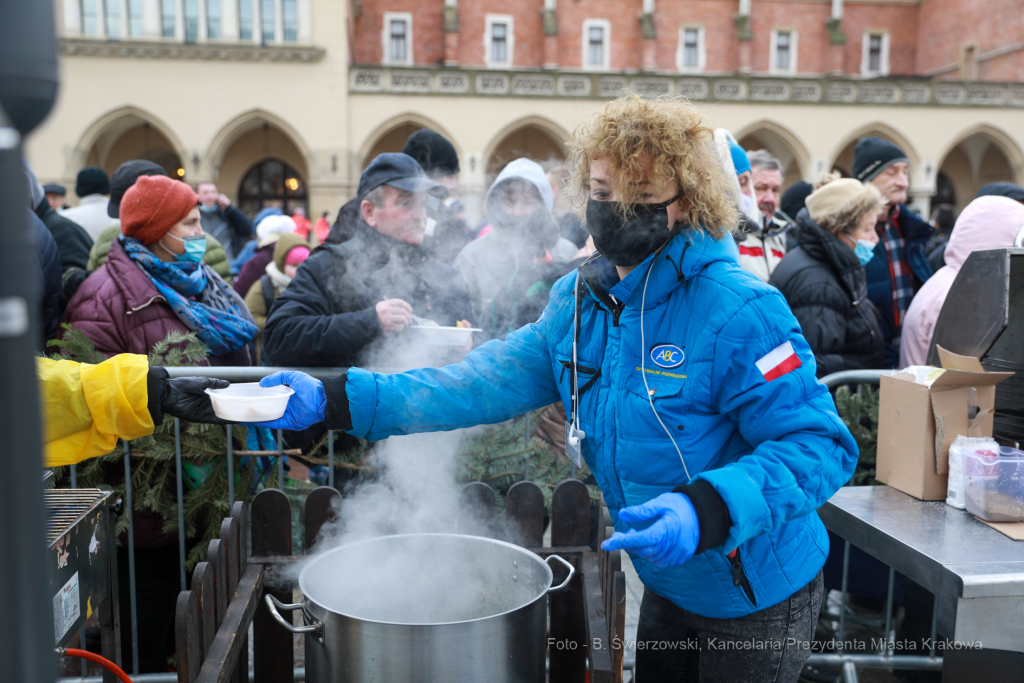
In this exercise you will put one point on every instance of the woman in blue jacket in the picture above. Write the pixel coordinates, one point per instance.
(697, 407)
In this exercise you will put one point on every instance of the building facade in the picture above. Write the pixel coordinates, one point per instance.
(285, 101)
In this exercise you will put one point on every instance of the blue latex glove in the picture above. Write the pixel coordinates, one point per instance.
(672, 538)
(306, 407)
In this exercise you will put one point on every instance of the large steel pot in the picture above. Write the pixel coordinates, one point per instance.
(424, 607)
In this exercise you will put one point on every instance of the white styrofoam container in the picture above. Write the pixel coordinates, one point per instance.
(249, 402)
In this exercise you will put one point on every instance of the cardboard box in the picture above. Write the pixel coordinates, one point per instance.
(917, 423)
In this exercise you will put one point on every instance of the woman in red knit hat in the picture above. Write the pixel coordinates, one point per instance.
(154, 281)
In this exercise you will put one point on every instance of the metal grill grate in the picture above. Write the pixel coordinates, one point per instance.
(66, 507)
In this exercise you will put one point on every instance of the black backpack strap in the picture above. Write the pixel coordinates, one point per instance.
(268, 291)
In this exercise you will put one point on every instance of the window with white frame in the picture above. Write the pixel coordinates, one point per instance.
(596, 44)
(290, 17)
(783, 51)
(875, 54)
(135, 25)
(88, 17)
(213, 25)
(397, 37)
(499, 40)
(191, 20)
(268, 20)
(245, 19)
(690, 56)
(168, 18)
(113, 12)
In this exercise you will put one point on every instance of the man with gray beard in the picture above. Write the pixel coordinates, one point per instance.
(348, 299)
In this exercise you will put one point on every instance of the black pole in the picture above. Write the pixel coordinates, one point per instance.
(28, 83)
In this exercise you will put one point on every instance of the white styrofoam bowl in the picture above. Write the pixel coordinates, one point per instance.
(249, 402)
(443, 336)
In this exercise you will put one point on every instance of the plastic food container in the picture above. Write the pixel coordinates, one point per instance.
(249, 402)
(443, 336)
(994, 484)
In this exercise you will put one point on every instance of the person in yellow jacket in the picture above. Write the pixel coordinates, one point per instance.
(87, 408)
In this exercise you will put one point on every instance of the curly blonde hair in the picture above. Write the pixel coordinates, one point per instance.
(679, 142)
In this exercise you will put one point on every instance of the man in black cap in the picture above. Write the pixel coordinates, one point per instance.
(348, 301)
(55, 194)
(900, 264)
(446, 218)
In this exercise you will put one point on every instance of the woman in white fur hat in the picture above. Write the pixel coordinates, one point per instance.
(823, 280)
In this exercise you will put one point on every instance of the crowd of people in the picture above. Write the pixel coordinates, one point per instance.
(840, 271)
(143, 254)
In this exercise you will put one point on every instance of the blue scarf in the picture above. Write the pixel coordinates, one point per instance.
(216, 315)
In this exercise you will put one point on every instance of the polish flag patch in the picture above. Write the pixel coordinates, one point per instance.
(778, 362)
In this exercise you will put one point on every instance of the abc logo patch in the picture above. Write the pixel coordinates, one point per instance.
(667, 356)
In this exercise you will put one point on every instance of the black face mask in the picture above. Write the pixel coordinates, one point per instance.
(628, 241)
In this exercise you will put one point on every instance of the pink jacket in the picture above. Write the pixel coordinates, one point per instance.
(990, 222)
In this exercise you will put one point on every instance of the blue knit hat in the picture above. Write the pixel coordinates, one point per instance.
(739, 158)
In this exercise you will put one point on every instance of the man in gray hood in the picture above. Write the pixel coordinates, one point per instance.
(523, 238)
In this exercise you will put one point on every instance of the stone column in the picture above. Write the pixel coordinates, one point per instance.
(836, 39)
(451, 33)
(278, 22)
(744, 38)
(151, 19)
(124, 29)
(550, 17)
(229, 20)
(72, 17)
(650, 34)
(203, 29)
(305, 18)
(101, 18)
(179, 22)
(257, 21)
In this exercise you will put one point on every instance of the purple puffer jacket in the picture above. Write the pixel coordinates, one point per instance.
(254, 269)
(120, 310)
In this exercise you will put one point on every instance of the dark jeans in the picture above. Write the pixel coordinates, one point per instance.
(770, 646)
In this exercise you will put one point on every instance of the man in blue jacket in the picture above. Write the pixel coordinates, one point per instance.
(900, 265)
(689, 391)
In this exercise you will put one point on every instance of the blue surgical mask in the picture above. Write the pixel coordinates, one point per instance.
(208, 209)
(865, 251)
(195, 248)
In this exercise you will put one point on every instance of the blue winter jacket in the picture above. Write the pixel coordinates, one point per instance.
(773, 451)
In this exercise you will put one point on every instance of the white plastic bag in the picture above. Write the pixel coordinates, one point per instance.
(961, 445)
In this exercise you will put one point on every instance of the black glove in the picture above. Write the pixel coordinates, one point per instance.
(184, 397)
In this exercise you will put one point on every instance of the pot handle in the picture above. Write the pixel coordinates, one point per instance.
(316, 628)
(572, 572)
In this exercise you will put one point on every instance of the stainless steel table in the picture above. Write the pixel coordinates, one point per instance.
(975, 572)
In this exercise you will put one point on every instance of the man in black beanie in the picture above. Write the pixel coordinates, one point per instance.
(900, 264)
(446, 219)
(92, 188)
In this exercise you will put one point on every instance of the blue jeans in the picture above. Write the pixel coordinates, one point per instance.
(769, 646)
